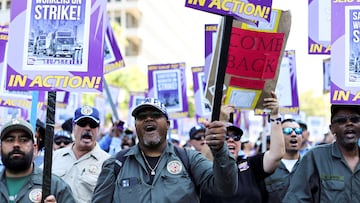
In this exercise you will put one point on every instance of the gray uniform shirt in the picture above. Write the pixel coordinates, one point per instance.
(323, 176)
(172, 182)
(32, 188)
(278, 183)
(81, 174)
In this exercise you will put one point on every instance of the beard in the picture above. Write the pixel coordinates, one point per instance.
(17, 165)
(152, 143)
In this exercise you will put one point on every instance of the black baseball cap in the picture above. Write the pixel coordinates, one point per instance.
(194, 130)
(234, 128)
(336, 107)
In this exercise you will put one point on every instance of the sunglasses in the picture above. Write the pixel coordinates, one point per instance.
(144, 115)
(198, 137)
(235, 137)
(66, 142)
(288, 131)
(344, 119)
(83, 123)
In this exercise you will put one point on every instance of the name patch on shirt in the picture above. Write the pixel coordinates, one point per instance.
(128, 182)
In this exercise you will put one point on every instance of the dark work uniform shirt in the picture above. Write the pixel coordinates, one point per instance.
(251, 187)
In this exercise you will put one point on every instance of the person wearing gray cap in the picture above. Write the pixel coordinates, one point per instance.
(153, 172)
(80, 163)
(331, 172)
(21, 181)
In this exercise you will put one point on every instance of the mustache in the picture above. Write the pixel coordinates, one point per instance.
(87, 134)
(16, 151)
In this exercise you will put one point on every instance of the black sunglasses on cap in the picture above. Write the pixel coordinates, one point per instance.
(84, 122)
(66, 142)
(198, 137)
(234, 136)
(144, 115)
(344, 119)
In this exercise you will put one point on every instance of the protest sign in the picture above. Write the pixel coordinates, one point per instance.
(167, 82)
(202, 108)
(58, 50)
(135, 99)
(239, 9)
(253, 77)
(112, 55)
(286, 87)
(210, 42)
(345, 53)
(319, 27)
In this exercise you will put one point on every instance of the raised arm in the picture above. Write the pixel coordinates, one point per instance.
(273, 156)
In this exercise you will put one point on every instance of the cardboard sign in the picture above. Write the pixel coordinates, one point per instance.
(253, 62)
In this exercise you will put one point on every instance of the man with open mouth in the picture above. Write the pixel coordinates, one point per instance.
(80, 164)
(279, 181)
(331, 172)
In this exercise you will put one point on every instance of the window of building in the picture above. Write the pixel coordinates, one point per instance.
(8, 4)
(133, 48)
(131, 21)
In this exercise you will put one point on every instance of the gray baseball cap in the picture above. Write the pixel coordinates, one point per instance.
(17, 124)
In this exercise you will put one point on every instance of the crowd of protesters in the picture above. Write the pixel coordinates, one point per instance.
(215, 164)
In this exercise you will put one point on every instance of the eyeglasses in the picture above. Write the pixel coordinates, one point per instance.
(144, 115)
(198, 137)
(344, 119)
(288, 131)
(83, 123)
(66, 142)
(235, 137)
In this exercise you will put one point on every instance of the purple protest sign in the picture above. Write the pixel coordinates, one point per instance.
(202, 108)
(64, 45)
(210, 43)
(4, 31)
(167, 82)
(112, 56)
(135, 99)
(319, 24)
(345, 53)
(286, 87)
(12, 99)
(256, 10)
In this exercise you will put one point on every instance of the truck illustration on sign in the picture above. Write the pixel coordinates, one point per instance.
(61, 43)
(40, 45)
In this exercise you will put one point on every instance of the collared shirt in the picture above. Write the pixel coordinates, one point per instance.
(81, 174)
(278, 183)
(324, 176)
(172, 182)
(32, 188)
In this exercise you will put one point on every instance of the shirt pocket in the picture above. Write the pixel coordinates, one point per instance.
(88, 181)
(129, 190)
(275, 186)
(332, 191)
(177, 184)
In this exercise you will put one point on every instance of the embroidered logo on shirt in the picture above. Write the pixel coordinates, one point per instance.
(174, 167)
(93, 169)
(243, 166)
(35, 195)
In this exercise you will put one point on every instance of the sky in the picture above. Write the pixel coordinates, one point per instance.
(309, 67)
